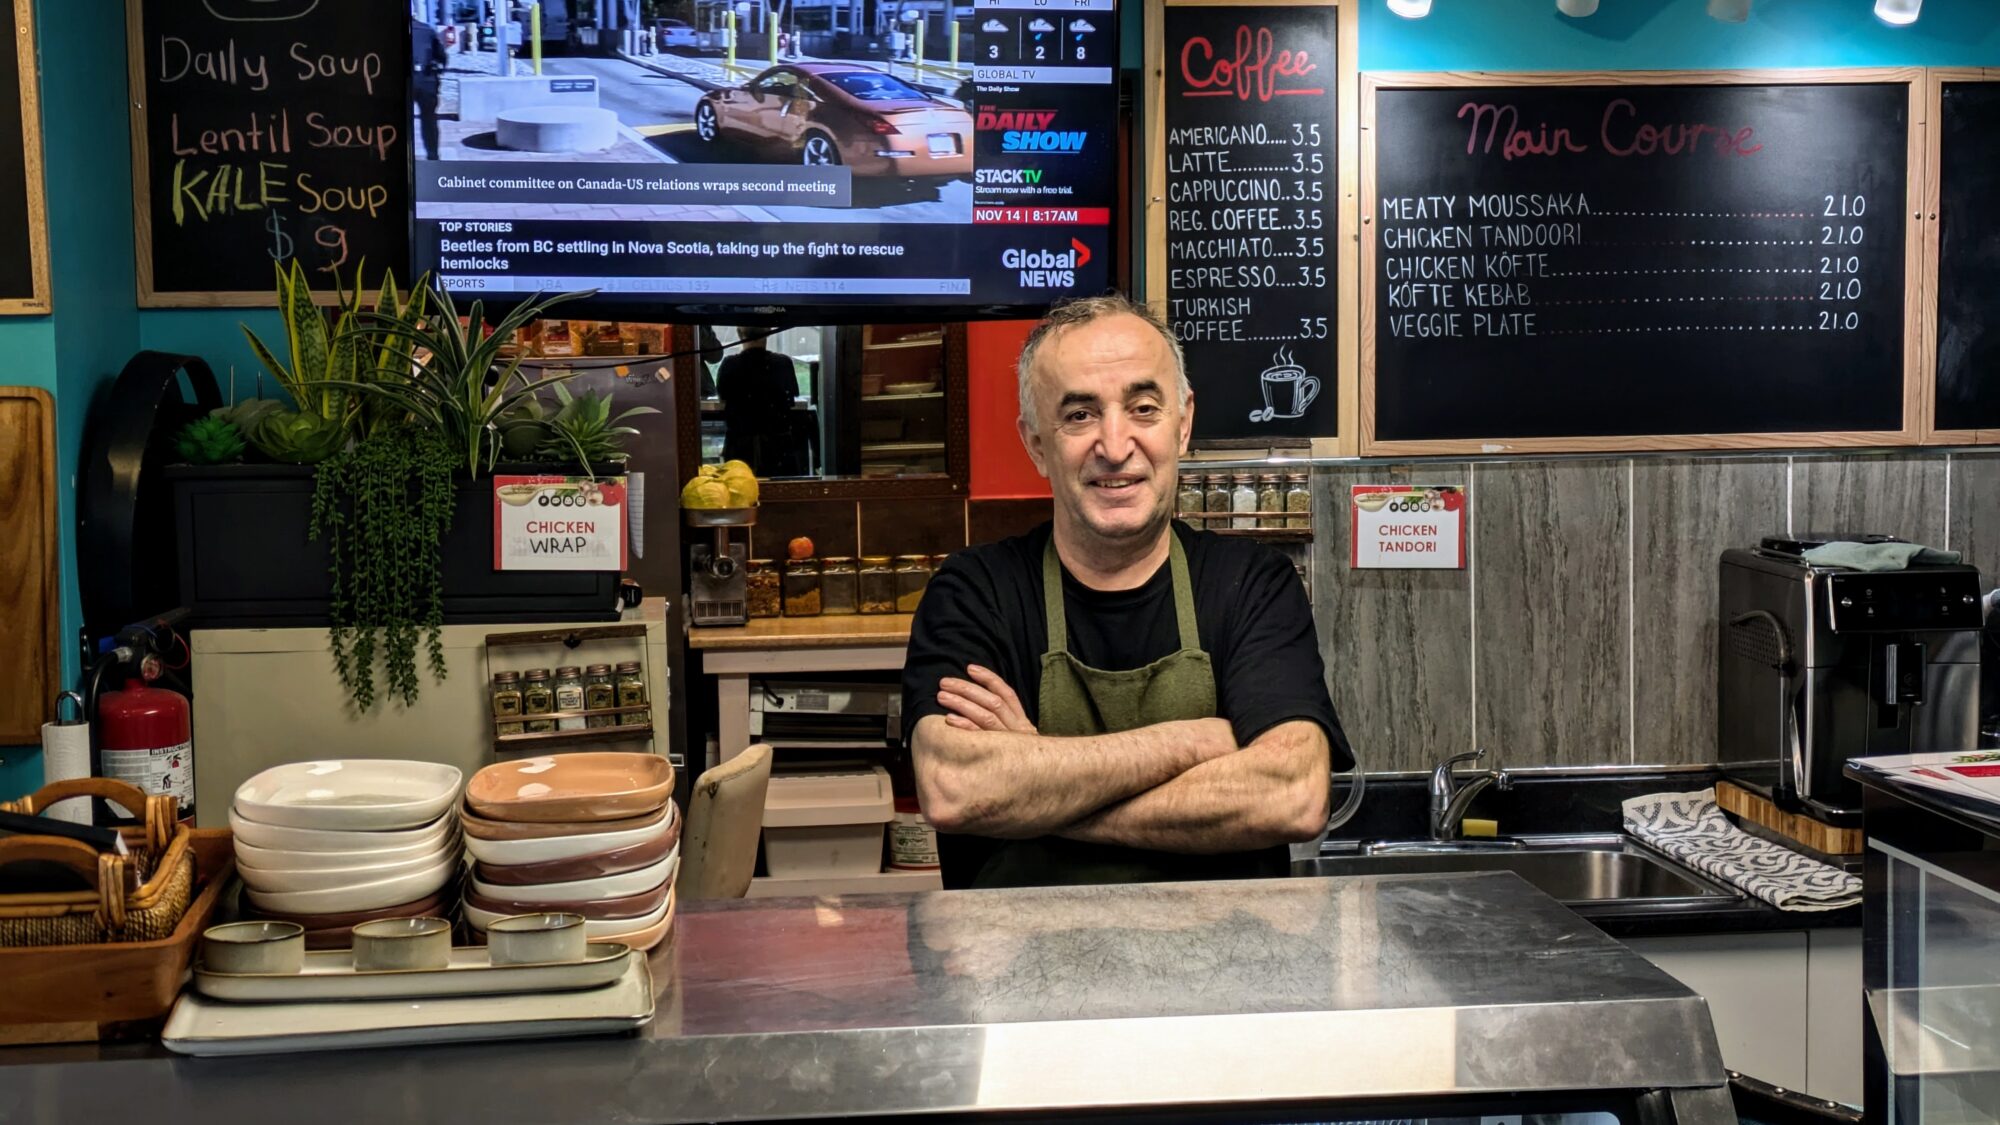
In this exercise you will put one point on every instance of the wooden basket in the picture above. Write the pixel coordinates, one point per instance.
(136, 897)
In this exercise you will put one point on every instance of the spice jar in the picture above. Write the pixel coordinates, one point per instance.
(538, 698)
(1298, 500)
(506, 702)
(1243, 498)
(1190, 497)
(631, 687)
(878, 584)
(599, 693)
(1271, 499)
(913, 573)
(839, 588)
(569, 696)
(760, 583)
(802, 588)
(1215, 497)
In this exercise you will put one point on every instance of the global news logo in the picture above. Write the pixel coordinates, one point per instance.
(1047, 269)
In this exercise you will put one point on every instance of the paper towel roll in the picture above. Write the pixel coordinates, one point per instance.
(66, 754)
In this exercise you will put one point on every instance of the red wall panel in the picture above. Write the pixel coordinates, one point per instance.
(1000, 467)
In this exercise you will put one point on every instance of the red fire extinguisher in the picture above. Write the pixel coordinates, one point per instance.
(144, 738)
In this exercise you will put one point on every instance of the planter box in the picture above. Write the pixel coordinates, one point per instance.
(247, 559)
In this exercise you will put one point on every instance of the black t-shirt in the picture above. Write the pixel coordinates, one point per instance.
(757, 387)
(984, 607)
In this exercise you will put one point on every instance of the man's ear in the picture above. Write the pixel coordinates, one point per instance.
(1187, 423)
(1031, 440)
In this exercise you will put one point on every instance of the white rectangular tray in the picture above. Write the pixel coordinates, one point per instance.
(201, 1026)
(330, 975)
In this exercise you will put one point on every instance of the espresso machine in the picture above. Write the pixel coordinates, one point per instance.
(1819, 664)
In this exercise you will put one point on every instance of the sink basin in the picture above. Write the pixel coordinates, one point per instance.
(1602, 872)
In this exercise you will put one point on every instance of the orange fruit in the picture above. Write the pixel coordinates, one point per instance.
(800, 548)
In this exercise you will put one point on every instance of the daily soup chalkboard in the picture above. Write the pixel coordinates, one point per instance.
(1251, 187)
(24, 238)
(263, 131)
(1597, 265)
(1967, 390)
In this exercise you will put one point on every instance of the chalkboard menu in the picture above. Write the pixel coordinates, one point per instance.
(1251, 199)
(263, 131)
(24, 238)
(1626, 260)
(1968, 260)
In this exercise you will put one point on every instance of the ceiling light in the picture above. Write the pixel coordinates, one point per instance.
(1411, 9)
(1577, 8)
(1898, 12)
(1729, 11)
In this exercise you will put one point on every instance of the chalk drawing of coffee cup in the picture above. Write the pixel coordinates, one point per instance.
(1288, 390)
(260, 11)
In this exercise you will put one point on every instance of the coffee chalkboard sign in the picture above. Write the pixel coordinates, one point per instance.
(265, 131)
(24, 230)
(1251, 243)
(1654, 262)
(1966, 398)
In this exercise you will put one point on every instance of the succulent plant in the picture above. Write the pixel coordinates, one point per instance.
(584, 430)
(298, 438)
(210, 441)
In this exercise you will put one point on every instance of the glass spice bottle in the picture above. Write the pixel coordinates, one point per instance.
(538, 698)
(1271, 500)
(761, 588)
(1243, 498)
(1189, 498)
(599, 693)
(1298, 500)
(631, 687)
(802, 588)
(913, 573)
(839, 588)
(1215, 498)
(569, 696)
(878, 584)
(506, 702)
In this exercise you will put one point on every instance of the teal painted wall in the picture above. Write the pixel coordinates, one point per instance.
(1674, 35)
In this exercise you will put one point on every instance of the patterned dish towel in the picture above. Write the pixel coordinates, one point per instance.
(1690, 828)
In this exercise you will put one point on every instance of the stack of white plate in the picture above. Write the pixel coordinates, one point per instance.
(330, 844)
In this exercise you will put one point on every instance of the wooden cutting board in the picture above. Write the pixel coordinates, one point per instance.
(30, 662)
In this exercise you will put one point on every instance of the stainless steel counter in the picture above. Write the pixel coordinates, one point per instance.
(1278, 993)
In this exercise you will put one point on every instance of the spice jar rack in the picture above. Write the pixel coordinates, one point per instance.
(1275, 507)
(622, 648)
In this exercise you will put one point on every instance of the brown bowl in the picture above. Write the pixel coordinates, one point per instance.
(485, 829)
(587, 786)
(430, 904)
(614, 862)
(596, 910)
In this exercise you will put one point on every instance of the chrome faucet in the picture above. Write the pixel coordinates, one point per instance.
(1449, 800)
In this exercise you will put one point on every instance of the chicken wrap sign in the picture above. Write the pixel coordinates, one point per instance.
(1408, 526)
(558, 523)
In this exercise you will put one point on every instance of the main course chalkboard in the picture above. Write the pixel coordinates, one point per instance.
(264, 131)
(24, 230)
(1966, 394)
(1586, 262)
(1251, 243)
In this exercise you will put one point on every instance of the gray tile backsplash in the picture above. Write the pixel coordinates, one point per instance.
(1582, 630)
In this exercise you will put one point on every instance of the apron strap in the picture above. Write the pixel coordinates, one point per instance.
(1052, 596)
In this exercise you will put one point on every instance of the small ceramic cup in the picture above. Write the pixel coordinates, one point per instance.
(254, 947)
(531, 939)
(389, 944)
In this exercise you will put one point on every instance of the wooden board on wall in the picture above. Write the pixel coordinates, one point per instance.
(24, 221)
(30, 662)
(267, 131)
(1250, 213)
(1961, 341)
(1640, 260)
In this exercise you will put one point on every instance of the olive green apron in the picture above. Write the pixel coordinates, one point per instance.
(1078, 700)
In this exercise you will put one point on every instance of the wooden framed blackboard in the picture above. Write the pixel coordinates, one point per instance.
(24, 221)
(262, 131)
(1640, 260)
(1250, 213)
(1962, 259)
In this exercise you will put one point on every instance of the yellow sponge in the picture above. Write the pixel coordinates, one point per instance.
(1473, 826)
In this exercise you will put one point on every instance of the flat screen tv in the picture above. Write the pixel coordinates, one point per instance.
(862, 172)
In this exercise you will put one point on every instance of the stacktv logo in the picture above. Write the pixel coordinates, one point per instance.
(1030, 130)
(1015, 176)
(1047, 269)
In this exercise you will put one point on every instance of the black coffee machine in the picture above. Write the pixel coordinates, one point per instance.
(1820, 664)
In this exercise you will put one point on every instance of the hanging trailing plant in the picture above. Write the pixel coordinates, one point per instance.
(383, 507)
